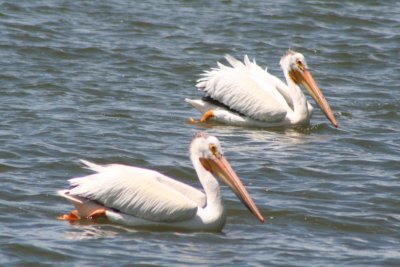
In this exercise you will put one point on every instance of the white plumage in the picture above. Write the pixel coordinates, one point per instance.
(142, 197)
(241, 87)
(145, 193)
(251, 96)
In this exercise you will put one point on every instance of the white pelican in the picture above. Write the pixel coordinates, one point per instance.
(144, 198)
(245, 94)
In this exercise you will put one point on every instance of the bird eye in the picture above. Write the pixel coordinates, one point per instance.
(214, 150)
(300, 64)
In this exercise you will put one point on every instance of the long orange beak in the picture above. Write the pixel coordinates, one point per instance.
(224, 171)
(305, 78)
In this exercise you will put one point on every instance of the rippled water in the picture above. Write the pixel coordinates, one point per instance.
(105, 81)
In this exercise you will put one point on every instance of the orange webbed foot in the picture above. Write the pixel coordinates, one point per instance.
(206, 116)
(72, 216)
(100, 213)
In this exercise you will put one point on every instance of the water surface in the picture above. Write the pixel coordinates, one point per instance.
(106, 82)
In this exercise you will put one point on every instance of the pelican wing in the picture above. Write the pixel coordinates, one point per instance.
(248, 89)
(138, 192)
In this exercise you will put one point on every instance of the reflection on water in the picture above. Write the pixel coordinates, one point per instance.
(83, 231)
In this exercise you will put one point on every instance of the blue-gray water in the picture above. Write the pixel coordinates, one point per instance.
(105, 81)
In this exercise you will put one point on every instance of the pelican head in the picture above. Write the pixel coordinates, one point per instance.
(295, 67)
(207, 149)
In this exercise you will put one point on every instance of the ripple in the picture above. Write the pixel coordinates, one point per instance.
(106, 82)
